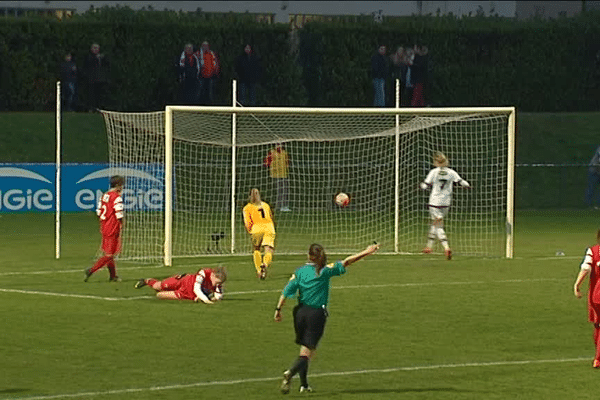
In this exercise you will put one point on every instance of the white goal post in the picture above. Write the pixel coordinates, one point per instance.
(206, 160)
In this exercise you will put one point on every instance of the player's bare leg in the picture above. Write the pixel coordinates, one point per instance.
(167, 295)
(154, 284)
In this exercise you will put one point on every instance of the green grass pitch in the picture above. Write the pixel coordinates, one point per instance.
(400, 327)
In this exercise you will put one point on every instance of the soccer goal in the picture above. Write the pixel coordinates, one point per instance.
(205, 160)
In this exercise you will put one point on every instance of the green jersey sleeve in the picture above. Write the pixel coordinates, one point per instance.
(337, 268)
(291, 288)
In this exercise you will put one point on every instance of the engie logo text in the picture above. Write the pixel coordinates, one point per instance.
(32, 187)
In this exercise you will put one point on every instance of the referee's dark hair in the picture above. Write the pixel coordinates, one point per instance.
(316, 254)
(117, 180)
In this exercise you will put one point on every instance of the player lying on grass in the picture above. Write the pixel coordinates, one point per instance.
(440, 180)
(591, 266)
(311, 282)
(206, 286)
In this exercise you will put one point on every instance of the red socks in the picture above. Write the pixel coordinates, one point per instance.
(109, 261)
(102, 261)
(111, 268)
(597, 340)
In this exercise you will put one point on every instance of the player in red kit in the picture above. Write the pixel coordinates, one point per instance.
(110, 212)
(591, 266)
(206, 286)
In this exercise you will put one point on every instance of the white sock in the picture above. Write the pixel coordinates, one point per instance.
(441, 234)
(431, 236)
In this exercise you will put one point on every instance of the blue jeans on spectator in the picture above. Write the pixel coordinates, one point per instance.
(69, 90)
(591, 197)
(207, 91)
(379, 92)
(189, 92)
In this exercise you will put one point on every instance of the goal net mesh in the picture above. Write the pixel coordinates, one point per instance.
(368, 156)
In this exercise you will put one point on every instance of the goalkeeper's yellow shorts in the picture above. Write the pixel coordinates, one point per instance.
(260, 239)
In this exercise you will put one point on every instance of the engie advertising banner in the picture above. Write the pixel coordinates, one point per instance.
(32, 187)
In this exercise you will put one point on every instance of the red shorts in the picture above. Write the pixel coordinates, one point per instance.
(183, 287)
(111, 244)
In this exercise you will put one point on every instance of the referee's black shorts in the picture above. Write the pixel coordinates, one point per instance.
(309, 324)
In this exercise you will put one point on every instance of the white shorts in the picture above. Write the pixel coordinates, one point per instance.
(436, 213)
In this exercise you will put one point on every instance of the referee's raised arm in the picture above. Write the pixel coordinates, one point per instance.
(355, 257)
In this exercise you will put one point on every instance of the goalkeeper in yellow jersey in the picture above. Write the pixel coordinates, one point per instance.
(258, 219)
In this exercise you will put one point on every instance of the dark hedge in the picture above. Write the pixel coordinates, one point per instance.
(535, 65)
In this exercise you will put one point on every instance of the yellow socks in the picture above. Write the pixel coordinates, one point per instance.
(268, 259)
(257, 260)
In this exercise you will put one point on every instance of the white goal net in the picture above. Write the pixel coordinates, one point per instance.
(196, 166)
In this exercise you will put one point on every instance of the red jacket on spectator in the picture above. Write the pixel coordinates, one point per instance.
(209, 63)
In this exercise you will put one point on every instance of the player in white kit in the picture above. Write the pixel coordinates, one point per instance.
(440, 180)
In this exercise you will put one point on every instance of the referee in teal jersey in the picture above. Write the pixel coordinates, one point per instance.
(311, 281)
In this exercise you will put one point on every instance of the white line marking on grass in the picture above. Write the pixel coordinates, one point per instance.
(70, 271)
(384, 285)
(78, 296)
(447, 283)
(444, 366)
(323, 374)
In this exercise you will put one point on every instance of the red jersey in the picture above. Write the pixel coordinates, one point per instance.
(110, 211)
(193, 285)
(594, 292)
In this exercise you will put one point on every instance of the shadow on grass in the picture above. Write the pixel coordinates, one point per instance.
(15, 390)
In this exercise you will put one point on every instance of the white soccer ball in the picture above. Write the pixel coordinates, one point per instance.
(216, 296)
(342, 199)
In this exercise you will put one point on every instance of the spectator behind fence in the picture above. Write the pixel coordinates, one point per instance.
(380, 73)
(68, 83)
(407, 87)
(249, 71)
(278, 162)
(592, 199)
(419, 76)
(188, 75)
(209, 72)
(96, 69)
(398, 71)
